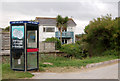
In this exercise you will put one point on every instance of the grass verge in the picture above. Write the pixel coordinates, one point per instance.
(66, 62)
(7, 73)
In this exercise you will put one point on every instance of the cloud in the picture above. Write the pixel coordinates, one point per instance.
(60, 0)
(82, 12)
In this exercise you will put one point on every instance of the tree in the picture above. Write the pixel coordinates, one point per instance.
(7, 29)
(101, 35)
(61, 24)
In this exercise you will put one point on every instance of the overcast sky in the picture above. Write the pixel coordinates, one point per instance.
(81, 11)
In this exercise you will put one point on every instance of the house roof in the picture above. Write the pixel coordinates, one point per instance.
(47, 21)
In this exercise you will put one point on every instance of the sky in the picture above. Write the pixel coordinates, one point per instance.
(82, 11)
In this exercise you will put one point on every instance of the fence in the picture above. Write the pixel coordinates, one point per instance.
(47, 47)
(5, 41)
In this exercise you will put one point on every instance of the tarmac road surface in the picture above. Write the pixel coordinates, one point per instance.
(105, 72)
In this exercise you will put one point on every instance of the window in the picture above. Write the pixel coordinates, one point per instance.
(64, 41)
(32, 38)
(48, 29)
(70, 28)
(43, 29)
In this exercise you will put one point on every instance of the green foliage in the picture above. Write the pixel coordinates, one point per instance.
(102, 34)
(41, 69)
(73, 50)
(57, 42)
(61, 24)
(111, 53)
(6, 29)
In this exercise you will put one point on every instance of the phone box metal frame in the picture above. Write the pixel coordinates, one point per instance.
(23, 58)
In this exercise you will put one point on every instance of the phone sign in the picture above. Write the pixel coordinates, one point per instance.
(17, 37)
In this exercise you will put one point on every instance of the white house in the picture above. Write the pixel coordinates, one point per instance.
(48, 29)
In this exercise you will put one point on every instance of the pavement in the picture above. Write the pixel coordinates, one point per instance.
(104, 72)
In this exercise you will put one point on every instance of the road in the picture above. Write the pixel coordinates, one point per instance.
(106, 72)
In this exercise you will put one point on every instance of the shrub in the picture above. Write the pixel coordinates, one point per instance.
(102, 34)
(57, 42)
(111, 53)
(73, 50)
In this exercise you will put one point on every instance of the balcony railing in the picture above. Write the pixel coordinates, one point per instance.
(64, 34)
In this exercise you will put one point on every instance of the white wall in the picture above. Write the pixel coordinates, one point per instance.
(69, 41)
(44, 35)
(71, 29)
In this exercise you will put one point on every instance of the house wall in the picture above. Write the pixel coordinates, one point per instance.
(69, 41)
(71, 29)
(44, 35)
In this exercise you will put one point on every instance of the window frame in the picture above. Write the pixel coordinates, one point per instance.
(45, 29)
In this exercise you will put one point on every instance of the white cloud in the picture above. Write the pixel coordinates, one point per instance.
(81, 11)
(80, 26)
(59, 0)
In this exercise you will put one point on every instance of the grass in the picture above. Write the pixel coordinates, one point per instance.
(65, 62)
(7, 73)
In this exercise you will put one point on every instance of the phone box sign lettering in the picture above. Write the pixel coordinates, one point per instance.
(17, 37)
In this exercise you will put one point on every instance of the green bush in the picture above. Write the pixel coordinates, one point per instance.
(102, 34)
(111, 53)
(57, 42)
(73, 50)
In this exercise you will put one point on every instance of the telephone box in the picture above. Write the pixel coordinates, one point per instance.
(24, 45)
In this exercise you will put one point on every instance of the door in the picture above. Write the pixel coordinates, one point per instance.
(32, 47)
